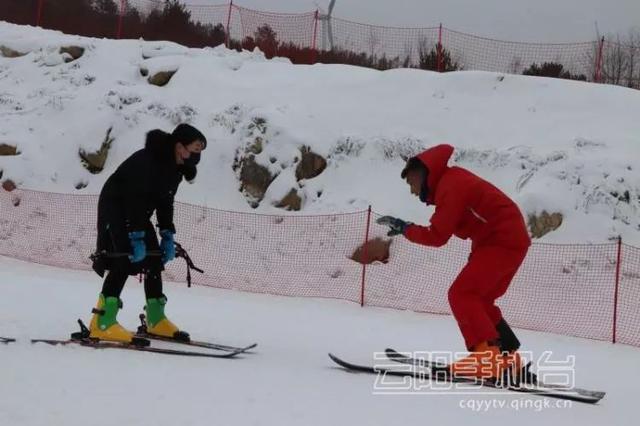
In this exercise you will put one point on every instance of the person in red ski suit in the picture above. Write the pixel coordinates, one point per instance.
(469, 207)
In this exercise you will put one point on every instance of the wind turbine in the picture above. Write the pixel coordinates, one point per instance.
(327, 29)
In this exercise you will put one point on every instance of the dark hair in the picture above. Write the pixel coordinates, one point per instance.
(186, 134)
(413, 164)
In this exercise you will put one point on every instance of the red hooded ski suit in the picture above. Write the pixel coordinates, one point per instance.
(467, 206)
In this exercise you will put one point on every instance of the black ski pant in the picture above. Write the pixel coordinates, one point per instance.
(114, 246)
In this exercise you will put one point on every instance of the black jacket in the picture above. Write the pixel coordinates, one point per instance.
(145, 182)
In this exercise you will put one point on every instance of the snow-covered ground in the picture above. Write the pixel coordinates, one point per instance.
(563, 146)
(289, 380)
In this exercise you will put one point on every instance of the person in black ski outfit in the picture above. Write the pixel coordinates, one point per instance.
(127, 244)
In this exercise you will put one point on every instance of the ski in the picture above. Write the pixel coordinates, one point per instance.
(101, 344)
(199, 344)
(7, 340)
(141, 344)
(376, 370)
(426, 374)
(396, 356)
(184, 339)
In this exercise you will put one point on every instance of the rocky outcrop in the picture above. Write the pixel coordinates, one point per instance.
(376, 250)
(542, 224)
(8, 150)
(8, 185)
(74, 52)
(254, 180)
(94, 161)
(310, 165)
(291, 201)
(254, 177)
(257, 164)
(161, 78)
(8, 52)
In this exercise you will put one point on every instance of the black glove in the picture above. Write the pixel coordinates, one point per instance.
(396, 226)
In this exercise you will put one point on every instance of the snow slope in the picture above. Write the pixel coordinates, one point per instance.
(288, 381)
(562, 146)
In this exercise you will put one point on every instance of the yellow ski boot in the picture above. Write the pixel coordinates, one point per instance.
(104, 325)
(157, 322)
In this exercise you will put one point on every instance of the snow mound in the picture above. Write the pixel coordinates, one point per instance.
(557, 146)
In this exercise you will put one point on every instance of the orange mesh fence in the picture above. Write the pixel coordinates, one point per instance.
(627, 329)
(288, 28)
(314, 37)
(590, 291)
(379, 41)
(619, 63)
(471, 52)
(565, 289)
(283, 255)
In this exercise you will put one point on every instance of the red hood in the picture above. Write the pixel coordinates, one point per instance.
(436, 160)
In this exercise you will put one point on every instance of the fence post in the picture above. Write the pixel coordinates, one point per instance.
(617, 287)
(314, 49)
(439, 50)
(598, 73)
(228, 36)
(39, 12)
(365, 256)
(123, 8)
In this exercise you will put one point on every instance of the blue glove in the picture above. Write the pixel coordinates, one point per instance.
(167, 246)
(396, 226)
(138, 248)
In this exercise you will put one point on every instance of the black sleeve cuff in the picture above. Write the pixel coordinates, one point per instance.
(169, 226)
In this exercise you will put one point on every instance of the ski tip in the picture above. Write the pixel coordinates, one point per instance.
(335, 359)
(393, 354)
(341, 362)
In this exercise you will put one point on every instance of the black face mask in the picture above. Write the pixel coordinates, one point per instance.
(424, 193)
(424, 189)
(189, 173)
(193, 159)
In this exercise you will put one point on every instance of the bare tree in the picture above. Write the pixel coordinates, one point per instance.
(408, 54)
(424, 47)
(516, 65)
(633, 58)
(615, 62)
(373, 41)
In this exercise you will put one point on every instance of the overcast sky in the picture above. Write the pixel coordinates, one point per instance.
(518, 20)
